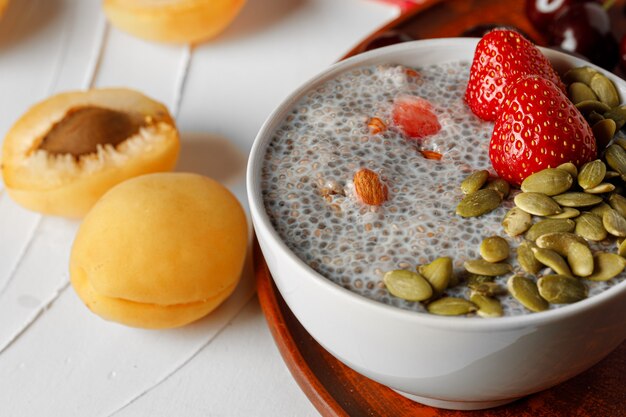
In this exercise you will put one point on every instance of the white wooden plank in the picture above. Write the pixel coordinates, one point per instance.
(72, 363)
(240, 374)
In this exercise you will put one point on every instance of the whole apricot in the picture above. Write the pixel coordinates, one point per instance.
(160, 250)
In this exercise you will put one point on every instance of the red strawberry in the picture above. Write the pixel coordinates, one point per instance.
(414, 117)
(538, 127)
(501, 57)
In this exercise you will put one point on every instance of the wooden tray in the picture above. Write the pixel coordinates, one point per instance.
(336, 390)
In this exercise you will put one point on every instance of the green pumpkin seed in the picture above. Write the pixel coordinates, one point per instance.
(559, 242)
(568, 213)
(451, 306)
(478, 203)
(549, 226)
(603, 187)
(576, 199)
(580, 74)
(482, 267)
(552, 260)
(578, 92)
(607, 266)
(537, 203)
(494, 249)
(580, 259)
(560, 289)
(621, 248)
(570, 168)
(407, 285)
(488, 289)
(526, 292)
(526, 258)
(610, 175)
(516, 221)
(615, 157)
(614, 223)
(589, 226)
(474, 181)
(617, 114)
(594, 117)
(500, 186)
(587, 106)
(600, 209)
(618, 203)
(475, 279)
(605, 90)
(549, 181)
(487, 306)
(591, 174)
(603, 131)
(438, 273)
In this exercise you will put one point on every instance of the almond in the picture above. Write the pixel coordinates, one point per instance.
(369, 188)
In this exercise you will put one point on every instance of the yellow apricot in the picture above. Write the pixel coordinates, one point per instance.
(160, 250)
(65, 152)
(176, 21)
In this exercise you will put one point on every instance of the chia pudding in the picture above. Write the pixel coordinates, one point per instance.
(309, 195)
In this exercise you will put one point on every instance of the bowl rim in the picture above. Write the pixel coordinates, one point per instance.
(263, 226)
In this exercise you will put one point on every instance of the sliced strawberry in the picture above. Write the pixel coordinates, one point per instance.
(538, 127)
(414, 117)
(501, 57)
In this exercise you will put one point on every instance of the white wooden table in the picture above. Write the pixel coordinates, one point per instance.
(58, 359)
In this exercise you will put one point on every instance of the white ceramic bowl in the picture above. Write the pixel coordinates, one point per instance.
(448, 362)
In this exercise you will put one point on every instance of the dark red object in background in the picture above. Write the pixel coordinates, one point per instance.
(542, 12)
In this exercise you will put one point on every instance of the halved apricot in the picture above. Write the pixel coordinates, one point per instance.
(67, 151)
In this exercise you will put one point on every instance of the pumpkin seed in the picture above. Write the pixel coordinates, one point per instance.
(478, 203)
(589, 226)
(488, 289)
(570, 168)
(600, 209)
(580, 259)
(475, 279)
(552, 260)
(610, 175)
(591, 174)
(576, 199)
(578, 92)
(561, 289)
(614, 223)
(594, 117)
(516, 221)
(603, 187)
(606, 266)
(621, 249)
(526, 292)
(438, 273)
(618, 114)
(568, 213)
(526, 258)
(407, 285)
(605, 90)
(494, 249)
(549, 181)
(482, 267)
(451, 306)
(580, 74)
(587, 106)
(549, 226)
(474, 181)
(621, 142)
(603, 131)
(618, 203)
(500, 186)
(615, 157)
(537, 203)
(487, 306)
(559, 242)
